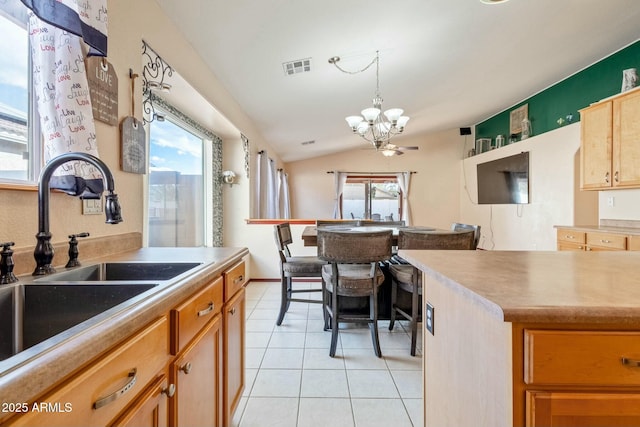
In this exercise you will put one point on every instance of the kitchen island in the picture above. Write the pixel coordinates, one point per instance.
(130, 365)
(531, 338)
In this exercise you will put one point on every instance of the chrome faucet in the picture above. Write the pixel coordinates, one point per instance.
(44, 250)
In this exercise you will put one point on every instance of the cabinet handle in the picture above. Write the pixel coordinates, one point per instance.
(568, 236)
(232, 311)
(206, 311)
(238, 279)
(634, 363)
(615, 177)
(606, 177)
(605, 241)
(169, 391)
(116, 394)
(588, 248)
(186, 368)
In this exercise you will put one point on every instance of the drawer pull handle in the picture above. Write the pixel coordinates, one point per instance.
(606, 177)
(605, 241)
(206, 311)
(616, 177)
(238, 279)
(186, 368)
(170, 391)
(568, 236)
(116, 394)
(634, 363)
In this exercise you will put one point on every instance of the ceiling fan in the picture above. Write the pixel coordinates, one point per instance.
(389, 149)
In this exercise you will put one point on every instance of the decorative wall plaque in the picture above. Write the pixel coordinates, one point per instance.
(517, 116)
(133, 151)
(103, 88)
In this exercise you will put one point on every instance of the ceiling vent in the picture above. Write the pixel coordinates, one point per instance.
(296, 67)
(308, 142)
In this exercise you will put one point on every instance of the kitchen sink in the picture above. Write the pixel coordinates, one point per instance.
(32, 313)
(122, 271)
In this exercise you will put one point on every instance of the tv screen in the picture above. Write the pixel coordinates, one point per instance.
(504, 181)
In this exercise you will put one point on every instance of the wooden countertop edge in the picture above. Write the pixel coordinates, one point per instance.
(37, 376)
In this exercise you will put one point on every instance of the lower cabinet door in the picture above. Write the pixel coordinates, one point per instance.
(582, 409)
(196, 373)
(234, 315)
(150, 409)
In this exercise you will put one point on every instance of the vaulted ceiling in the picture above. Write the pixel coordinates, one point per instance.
(447, 63)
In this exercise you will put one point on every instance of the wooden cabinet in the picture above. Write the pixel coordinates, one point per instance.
(581, 378)
(196, 339)
(234, 327)
(150, 409)
(609, 152)
(575, 240)
(99, 393)
(197, 376)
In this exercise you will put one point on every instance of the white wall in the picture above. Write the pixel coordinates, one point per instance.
(554, 194)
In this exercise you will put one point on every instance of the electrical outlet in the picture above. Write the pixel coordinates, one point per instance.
(91, 206)
(429, 318)
(611, 201)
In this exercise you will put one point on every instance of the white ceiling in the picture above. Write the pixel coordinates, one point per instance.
(447, 63)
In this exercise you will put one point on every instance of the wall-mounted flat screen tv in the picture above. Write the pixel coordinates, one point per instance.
(504, 181)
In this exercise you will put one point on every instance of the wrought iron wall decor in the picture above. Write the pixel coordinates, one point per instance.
(155, 73)
(245, 147)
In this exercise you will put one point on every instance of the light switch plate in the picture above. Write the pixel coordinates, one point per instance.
(429, 321)
(91, 206)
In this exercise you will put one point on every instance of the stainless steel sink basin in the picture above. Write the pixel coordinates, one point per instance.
(122, 271)
(33, 313)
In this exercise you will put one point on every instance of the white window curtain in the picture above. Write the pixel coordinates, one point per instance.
(60, 80)
(339, 180)
(404, 181)
(266, 188)
(283, 195)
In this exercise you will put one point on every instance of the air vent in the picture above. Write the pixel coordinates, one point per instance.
(308, 142)
(296, 67)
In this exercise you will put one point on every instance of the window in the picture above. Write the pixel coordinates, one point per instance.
(372, 197)
(177, 184)
(19, 128)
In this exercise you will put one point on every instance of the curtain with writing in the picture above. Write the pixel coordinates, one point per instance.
(62, 91)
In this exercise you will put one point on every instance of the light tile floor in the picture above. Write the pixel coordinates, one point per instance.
(290, 380)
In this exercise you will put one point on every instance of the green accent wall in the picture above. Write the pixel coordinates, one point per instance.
(599, 81)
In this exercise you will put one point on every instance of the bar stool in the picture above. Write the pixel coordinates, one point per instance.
(294, 266)
(408, 278)
(353, 271)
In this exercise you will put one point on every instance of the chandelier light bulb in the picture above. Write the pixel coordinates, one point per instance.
(402, 122)
(370, 114)
(363, 127)
(388, 153)
(353, 122)
(393, 114)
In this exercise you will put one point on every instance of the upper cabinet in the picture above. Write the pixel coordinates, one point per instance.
(610, 148)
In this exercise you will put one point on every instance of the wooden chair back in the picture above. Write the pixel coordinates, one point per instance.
(452, 240)
(345, 247)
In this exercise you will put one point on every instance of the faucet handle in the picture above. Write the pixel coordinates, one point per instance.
(6, 264)
(73, 249)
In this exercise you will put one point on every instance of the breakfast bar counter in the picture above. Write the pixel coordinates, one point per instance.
(524, 338)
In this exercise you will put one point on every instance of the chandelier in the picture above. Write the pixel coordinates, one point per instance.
(373, 125)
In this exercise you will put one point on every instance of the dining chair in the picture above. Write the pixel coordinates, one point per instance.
(406, 277)
(294, 266)
(353, 270)
(457, 226)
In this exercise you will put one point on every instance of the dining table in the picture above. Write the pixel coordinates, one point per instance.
(310, 232)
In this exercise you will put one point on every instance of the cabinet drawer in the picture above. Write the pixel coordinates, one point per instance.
(566, 235)
(97, 394)
(581, 358)
(194, 313)
(607, 240)
(570, 246)
(234, 279)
